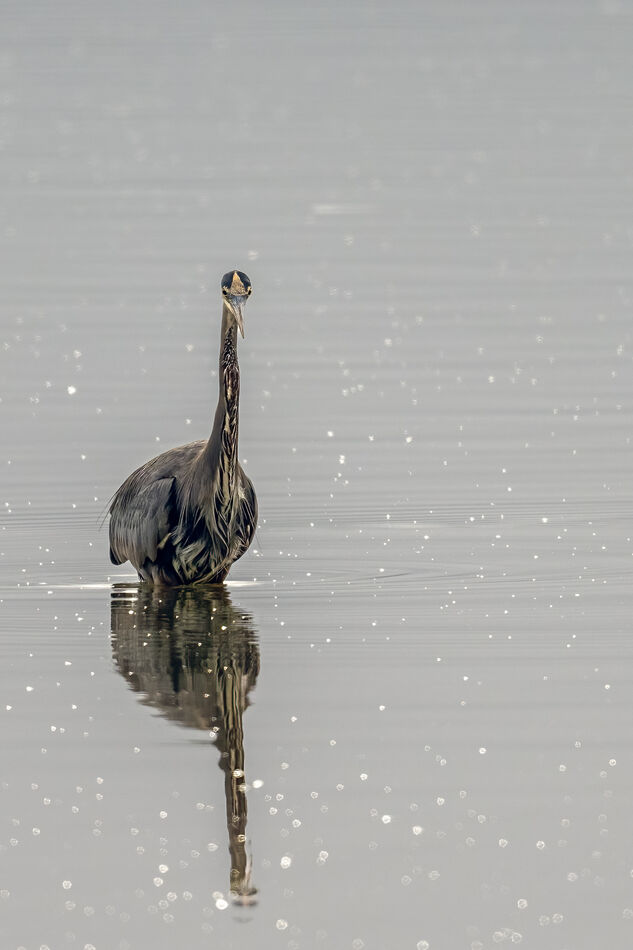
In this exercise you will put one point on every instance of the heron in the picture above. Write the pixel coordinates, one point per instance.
(185, 516)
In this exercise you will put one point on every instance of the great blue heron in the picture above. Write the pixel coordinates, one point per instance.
(187, 514)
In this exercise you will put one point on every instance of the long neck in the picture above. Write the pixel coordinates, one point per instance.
(221, 449)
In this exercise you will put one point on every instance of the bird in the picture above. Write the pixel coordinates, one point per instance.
(185, 516)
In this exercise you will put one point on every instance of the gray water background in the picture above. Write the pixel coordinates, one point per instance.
(433, 202)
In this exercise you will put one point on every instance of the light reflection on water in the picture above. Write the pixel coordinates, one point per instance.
(436, 412)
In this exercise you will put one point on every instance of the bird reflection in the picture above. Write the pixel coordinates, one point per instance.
(194, 656)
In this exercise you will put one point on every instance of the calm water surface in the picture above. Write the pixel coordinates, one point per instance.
(406, 723)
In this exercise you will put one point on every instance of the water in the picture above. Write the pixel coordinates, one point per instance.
(423, 666)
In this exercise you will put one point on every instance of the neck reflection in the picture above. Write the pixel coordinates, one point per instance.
(194, 656)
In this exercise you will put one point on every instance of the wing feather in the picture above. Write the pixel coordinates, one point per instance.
(142, 516)
(246, 521)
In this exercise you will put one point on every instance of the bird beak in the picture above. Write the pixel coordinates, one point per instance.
(237, 309)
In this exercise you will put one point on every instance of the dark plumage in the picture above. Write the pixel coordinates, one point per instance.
(186, 515)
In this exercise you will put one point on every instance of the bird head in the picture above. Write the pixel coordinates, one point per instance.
(236, 289)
